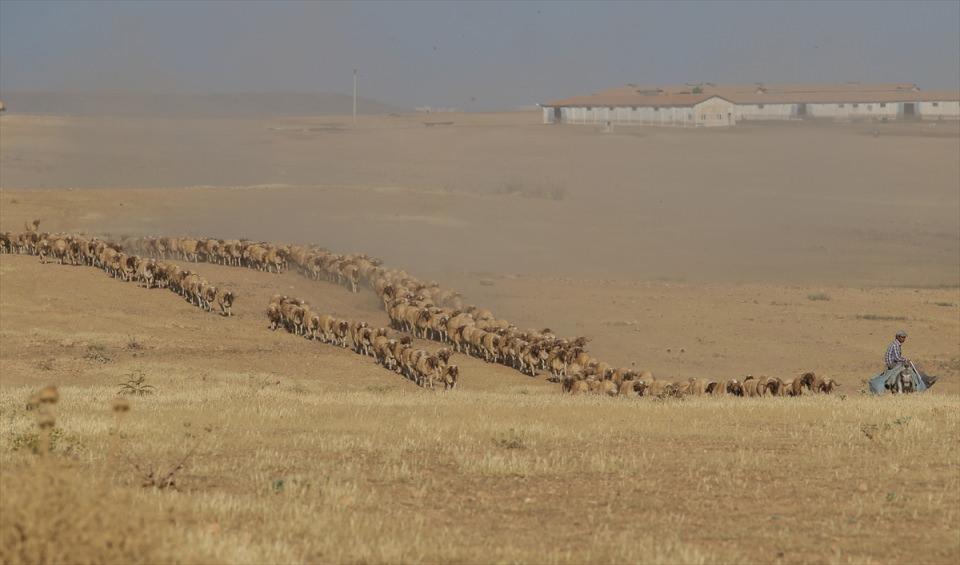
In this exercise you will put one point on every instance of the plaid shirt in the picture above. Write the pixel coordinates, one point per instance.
(893, 356)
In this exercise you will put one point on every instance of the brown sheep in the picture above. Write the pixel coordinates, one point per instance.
(450, 377)
(225, 301)
(275, 317)
(579, 387)
(341, 329)
(827, 386)
(751, 386)
(696, 387)
(734, 387)
(608, 388)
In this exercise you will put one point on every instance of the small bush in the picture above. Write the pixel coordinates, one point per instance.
(134, 344)
(97, 352)
(136, 385)
(819, 296)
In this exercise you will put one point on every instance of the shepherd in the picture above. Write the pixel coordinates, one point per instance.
(900, 375)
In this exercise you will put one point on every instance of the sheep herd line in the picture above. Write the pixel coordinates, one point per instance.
(393, 352)
(416, 307)
(72, 249)
(427, 311)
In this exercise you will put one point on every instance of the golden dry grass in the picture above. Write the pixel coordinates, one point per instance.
(283, 475)
(297, 452)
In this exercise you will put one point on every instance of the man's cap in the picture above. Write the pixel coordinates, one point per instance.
(901, 333)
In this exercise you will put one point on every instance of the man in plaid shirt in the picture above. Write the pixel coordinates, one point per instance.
(894, 356)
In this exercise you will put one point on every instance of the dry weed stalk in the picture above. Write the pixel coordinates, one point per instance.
(46, 420)
(154, 476)
(120, 407)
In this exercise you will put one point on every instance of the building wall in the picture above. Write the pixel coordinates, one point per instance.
(856, 111)
(624, 115)
(766, 111)
(719, 112)
(547, 114)
(942, 110)
(714, 112)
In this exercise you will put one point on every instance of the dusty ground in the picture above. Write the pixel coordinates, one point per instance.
(664, 247)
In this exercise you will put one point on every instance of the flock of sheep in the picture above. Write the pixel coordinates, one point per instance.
(428, 311)
(646, 385)
(417, 307)
(393, 352)
(71, 249)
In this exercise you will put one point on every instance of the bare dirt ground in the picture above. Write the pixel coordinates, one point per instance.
(689, 253)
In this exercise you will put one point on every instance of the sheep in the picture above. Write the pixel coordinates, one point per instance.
(355, 336)
(696, 387)
(188, 250)
(275, 317)
(427, 369)
(827, 386)
(450, 376)
(147, 273)
(341, 328)
(293, 316)
(225, 301)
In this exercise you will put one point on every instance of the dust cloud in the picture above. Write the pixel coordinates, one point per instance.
(503, 194)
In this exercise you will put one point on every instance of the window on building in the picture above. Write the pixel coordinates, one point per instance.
(719, 116)
(760, 106)
(856, 105)
(656, 108)
(869, 106)
(589, 108)
(634, 108)
(883, 104)
(936, 104)
(840, 105)
(610, 108)
(703, 116)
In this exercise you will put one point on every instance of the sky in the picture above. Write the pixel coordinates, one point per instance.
(469, 55)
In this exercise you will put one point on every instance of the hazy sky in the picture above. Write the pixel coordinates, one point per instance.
(469, 55)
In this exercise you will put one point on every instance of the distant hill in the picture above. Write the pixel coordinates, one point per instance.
(192, 105)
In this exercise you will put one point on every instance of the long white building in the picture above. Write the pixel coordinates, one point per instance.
(707, 104)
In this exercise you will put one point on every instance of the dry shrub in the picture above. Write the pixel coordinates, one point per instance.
(97, 352)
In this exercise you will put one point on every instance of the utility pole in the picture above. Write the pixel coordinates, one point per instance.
(354, 96)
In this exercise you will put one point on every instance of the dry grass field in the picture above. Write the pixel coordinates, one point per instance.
(282, 450)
